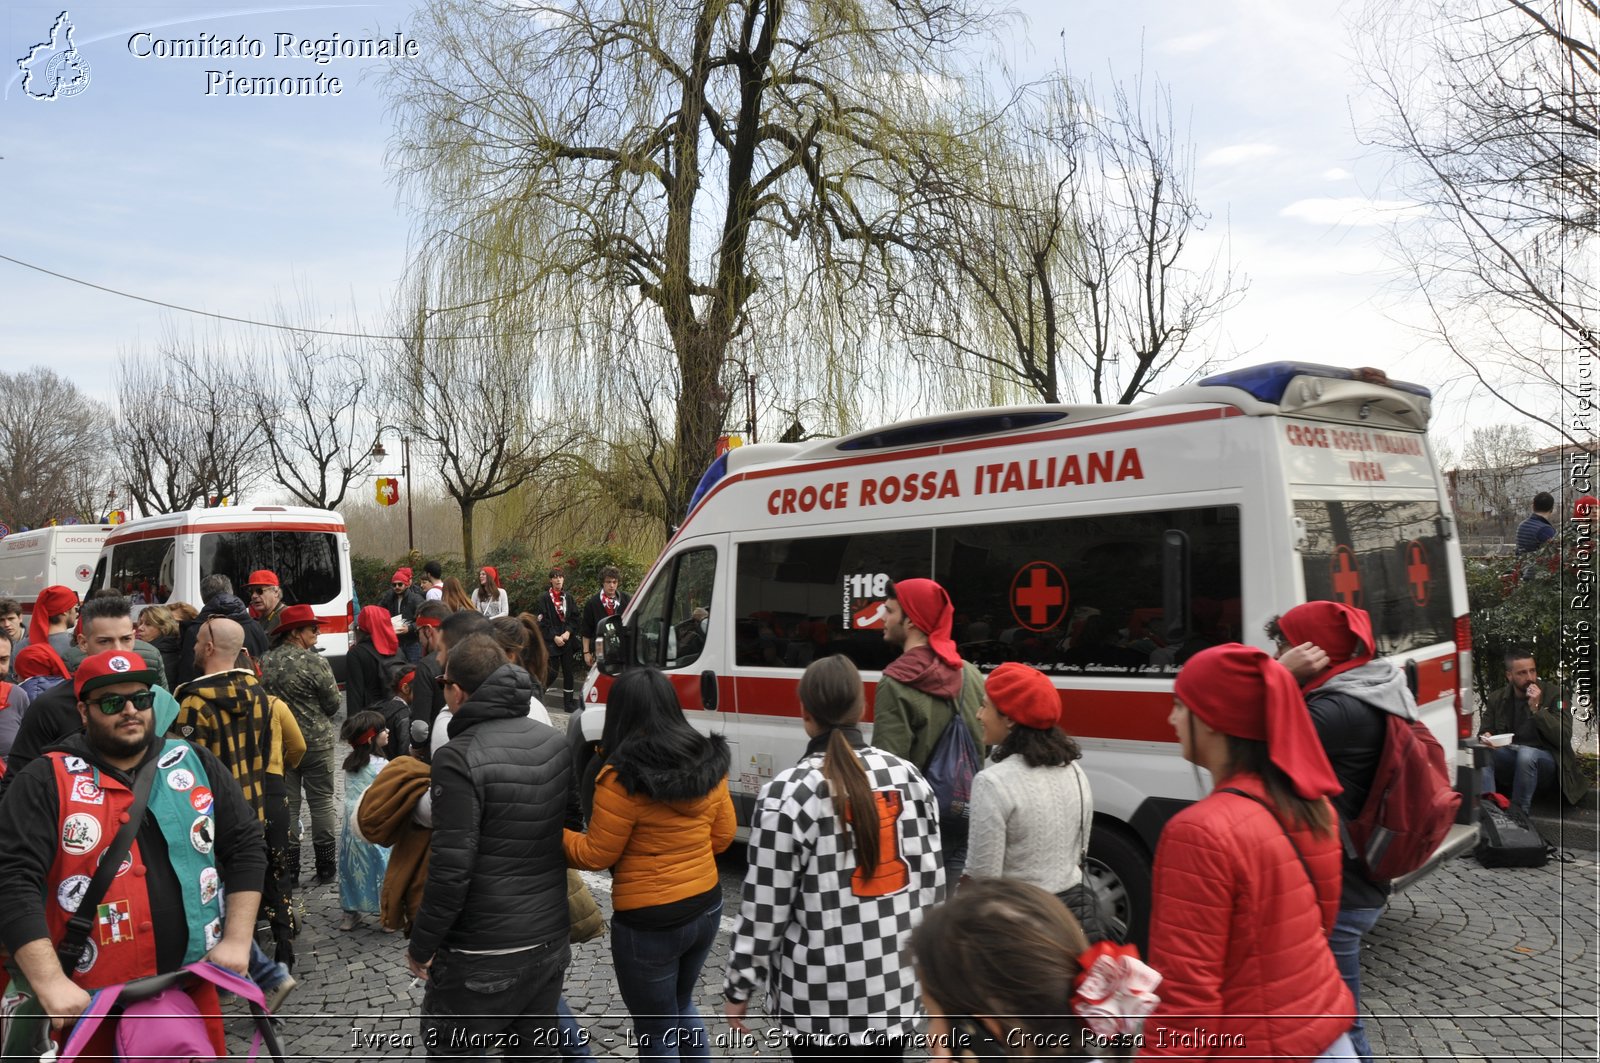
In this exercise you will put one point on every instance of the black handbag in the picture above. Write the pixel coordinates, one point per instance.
(1084, 898)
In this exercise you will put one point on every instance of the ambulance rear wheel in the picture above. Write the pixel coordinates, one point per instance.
(1119, 866)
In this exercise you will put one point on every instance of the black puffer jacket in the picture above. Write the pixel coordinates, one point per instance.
(502, 792)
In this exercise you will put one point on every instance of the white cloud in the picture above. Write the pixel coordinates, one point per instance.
(1190, 42)
(1349, 210)
(1338, 173)
(1234, 154)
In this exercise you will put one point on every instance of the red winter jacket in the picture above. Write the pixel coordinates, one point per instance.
(1240, 935)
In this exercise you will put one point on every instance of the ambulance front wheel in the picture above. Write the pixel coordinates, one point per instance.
(1119, 865)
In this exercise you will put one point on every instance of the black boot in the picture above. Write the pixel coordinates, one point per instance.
(327, 854)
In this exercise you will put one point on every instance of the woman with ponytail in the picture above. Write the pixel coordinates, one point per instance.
(844, 859)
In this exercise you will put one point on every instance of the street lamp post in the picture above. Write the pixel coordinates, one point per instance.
(405, 474)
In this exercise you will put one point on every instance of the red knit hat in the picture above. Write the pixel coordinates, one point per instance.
(39, 659)
(1341, 631)
(928, 606)
(1241, 691)
(1584, 507)
(54, 600)
(1024, 695)
(401, 575)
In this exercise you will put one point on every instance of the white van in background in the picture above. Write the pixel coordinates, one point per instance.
(160, 559)
(63, 555)
(1104, 545)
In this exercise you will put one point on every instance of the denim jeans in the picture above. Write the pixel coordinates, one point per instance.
(475, 1003)
(1345, 941)
(574, 1038)
(265, 971)
(656, 973)
(1528, 766)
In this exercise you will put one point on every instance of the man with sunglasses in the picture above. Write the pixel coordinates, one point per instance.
(107, 625)
(197, 841)
(265, 598)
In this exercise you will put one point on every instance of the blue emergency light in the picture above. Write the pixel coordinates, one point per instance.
(1268, 382)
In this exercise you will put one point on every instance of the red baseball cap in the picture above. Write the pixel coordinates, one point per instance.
(294, 616)
(113, 666)
(262, 578)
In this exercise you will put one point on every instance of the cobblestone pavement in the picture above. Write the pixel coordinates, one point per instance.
(1469, 964)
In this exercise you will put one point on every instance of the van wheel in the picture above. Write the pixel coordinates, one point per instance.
(1120, 870)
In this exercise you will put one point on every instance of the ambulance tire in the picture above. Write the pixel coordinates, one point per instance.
(1119, 865)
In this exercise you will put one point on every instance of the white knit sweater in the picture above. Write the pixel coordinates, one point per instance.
(1028, 823)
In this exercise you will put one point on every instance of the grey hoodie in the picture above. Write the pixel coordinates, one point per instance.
(1377, 683)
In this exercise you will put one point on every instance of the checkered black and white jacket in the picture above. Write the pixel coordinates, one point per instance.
(827, 946)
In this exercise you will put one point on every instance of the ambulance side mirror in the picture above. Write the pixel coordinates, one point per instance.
(611, 640)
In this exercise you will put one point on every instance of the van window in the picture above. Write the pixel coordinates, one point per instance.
(306, 563)
(1080, 595)
(674, 617)
(1087, 595)
(1385, 557)
(800, 599)
(141, 570)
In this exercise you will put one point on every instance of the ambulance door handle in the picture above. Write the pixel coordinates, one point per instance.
(708, 690)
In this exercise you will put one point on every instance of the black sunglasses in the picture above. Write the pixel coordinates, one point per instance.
(448, 682)
(111, 704)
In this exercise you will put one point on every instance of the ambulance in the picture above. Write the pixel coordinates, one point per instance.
(154, 560)
(61, 555)
(1104, 545)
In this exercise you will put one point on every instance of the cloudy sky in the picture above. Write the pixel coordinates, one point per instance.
(145, 184)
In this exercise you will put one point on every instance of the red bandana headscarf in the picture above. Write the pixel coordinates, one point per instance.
(52, 601)
(1241, 691)
(38, 659)
(1342, 632)
(928, 606)
(379, 626)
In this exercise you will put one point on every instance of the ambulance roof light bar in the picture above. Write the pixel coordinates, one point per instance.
(1267, 383)
(945, 429)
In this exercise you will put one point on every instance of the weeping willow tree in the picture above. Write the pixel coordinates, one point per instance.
(666, 185)
(1050, 239)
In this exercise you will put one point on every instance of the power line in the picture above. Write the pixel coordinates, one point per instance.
(201, 313)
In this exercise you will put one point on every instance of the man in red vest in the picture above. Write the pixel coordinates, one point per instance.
(197, 840)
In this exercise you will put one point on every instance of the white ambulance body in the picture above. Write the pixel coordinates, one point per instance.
(163, 558)
(63, 555)
(1102, 544)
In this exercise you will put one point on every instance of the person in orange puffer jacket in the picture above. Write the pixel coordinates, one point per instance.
(1246, 882)
(662, 812)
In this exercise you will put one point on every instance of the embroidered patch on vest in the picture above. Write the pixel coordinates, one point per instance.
(75, 765)
(70, 893)
(80, 833)
(85, 792)
(213, 932)
(200, 835)
(200, 798)
(91, 952)
(181, 780)
(116, 922)
(171, 757)
(122, 868)
(209, 884)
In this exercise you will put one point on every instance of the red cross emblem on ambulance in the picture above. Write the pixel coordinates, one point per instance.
(1346, 577)
(1419, 573)
(1039, 596)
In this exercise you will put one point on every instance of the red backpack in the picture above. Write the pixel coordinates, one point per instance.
(1410, 807)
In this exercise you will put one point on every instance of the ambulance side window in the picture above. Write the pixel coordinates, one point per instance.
(673, 620)
(1089, 595)
(801, 599)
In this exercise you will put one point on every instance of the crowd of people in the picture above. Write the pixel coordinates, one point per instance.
(877, 914)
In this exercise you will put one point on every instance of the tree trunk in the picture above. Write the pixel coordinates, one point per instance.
(700, 411)
(467, 552)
